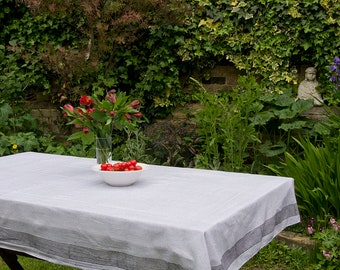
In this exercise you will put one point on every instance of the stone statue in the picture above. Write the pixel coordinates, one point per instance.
(307, 88)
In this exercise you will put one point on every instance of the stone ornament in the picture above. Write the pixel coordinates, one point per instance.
(307, 88)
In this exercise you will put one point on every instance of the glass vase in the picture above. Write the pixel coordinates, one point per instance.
(104, 150)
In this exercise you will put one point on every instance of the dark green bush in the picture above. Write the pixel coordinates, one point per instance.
(151, 47)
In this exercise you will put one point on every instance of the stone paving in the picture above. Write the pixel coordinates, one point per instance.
(296, 240)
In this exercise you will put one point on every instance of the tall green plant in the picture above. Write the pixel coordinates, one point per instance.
(224, 128)
(316, 176)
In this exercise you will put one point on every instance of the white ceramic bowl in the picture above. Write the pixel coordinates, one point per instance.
(120, 178)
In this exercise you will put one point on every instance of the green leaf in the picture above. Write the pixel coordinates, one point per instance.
(294, 125)
(5, 111)
(271, 150)
(76, 136)
(12, 42)
(302, 105)
(99, 116)
(283, 100)
(88, 139)
(262, 118)
(285, 113)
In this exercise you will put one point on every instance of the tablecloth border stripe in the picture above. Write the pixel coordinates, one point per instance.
(255, 236)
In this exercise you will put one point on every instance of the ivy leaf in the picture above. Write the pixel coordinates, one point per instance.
(5, 111)
(306, 45)
(249, 16)
(12, 42)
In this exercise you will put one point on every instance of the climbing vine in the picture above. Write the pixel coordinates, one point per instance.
(150, 48)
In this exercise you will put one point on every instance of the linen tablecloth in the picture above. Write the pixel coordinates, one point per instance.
(58, 209)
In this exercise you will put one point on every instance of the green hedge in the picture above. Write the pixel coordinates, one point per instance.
(149, 48)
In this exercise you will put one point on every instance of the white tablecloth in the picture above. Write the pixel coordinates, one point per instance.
(56, 208)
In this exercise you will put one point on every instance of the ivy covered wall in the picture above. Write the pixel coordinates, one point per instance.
(150, 48)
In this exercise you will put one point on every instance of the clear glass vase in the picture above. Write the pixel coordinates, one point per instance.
(104, 150)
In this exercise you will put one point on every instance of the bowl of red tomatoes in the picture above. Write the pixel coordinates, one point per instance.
(122, 173)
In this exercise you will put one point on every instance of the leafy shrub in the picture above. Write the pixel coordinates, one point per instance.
(328, 244)
(280, 116)
(134, 147)
(223, 126)
(329, 247)
(316, 176)
(243, 128)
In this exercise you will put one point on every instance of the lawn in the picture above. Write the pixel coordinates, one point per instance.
(275, 256)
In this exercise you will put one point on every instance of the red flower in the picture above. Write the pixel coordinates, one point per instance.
(111, 96)
(138, 115)
(68, 108)
(88, 112)
(128, 117)
(80, 111)
(101, 117)
(134, 104)
(86, 100)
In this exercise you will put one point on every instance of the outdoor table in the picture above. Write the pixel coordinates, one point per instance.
(57, 208)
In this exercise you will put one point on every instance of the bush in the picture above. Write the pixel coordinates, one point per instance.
(316, 174)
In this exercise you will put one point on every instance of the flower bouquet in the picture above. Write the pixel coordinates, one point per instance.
(102, 117)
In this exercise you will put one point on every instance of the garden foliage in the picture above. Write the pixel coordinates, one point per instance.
(242, 129)
(328, 256)
(316, 174)
(150, 48)
(220, 123)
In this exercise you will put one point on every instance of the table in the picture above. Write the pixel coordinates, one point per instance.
(56, 208)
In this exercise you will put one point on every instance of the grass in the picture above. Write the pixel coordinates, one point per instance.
(279, 256)
(35, 264)
(275, 256)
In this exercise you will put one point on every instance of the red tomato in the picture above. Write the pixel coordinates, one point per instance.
(116, 167)
(138, 168)
(109, 167)
(103, 167)
(133, 162)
